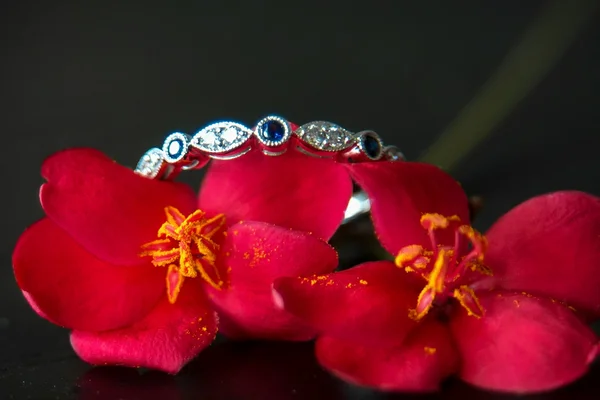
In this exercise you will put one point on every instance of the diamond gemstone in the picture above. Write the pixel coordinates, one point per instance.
(325, 136)
(150, 163)
(175, 148)
(228, 135)
(221, 137)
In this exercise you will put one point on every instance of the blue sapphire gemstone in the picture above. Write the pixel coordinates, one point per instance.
(371, 146)
(272, 130)
(176, 148)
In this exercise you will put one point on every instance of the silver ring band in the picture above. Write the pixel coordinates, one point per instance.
(273, 136)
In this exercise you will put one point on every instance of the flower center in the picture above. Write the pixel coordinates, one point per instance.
(448, 270)
(187, 246)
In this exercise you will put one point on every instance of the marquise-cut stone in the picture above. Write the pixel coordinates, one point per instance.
(325, 136)
(221, 137)
(150, 163)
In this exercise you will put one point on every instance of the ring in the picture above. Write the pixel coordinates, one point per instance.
(273, 135)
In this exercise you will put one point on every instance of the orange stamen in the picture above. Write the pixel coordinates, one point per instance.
(446, 273)
(434, 286)
(434, 221)
(187, 247)
(174, 282)
(469, 301)
(407, 255)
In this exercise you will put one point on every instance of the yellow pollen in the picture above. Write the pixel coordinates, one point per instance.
(447, 264)
(434, 221)
(438, 275)
(408, 254)
(430, 350)
(467, 298)
(186, 246)
(482, 269)
(435, 285)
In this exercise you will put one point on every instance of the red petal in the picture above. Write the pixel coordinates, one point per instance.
(256, 254)
(401, 192)
(37, 308)
(169, 337)
(419, 364)
(367, 303)
(107, 208)
(522, 344)
(549, 246)
(292, 190)
(70, 287)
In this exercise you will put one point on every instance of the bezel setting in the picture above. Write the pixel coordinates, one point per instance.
(173, 156)
(362, 140)
(261, 131)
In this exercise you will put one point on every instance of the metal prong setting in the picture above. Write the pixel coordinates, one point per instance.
(272, 135)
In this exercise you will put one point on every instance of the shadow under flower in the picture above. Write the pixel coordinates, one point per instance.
(259, 370)
(127, 383)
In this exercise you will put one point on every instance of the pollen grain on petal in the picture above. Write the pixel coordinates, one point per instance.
(258, 254)
(430, 350)
(315, 279)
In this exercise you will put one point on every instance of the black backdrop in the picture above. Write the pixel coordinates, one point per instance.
(119, 77)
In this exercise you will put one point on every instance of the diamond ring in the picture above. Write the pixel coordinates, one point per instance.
(273, 135)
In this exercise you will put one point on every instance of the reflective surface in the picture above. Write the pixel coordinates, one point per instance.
(227, 371)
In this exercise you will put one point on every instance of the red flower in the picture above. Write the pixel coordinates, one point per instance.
(88, 265)
(508, 315)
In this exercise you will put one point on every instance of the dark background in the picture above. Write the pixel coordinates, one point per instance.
(121, 77)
